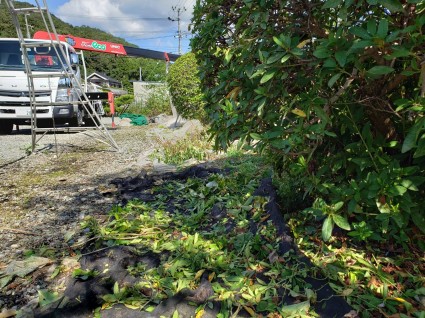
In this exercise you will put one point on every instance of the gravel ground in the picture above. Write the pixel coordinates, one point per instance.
(18, 145)
(44, 196)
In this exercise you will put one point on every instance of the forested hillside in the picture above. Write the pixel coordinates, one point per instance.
(121, 68)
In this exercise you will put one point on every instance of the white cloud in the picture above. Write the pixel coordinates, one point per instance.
(130, 19)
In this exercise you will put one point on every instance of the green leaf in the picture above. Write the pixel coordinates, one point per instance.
(341, 222)
(278, 41)
(322, 53)
(283, 41)
(409, 73)
(337, 206)
(392, 37)
(383, 207)
(380, 70)
(331, 4)
(327, 228)
(382, 29)
(150, 308)
(84, 274)
(46, 297)
(341, 57)
(275, 57)
(56, 272)
(420, 151)
(109, 298)
(392, 5)
(333, 79)
(280, 144)
(321, 114)
(399, 52)
(419, 219)
(296, 309)
(372, 2)
(116, 288)
(360, 32)
(371, 27)
(285, 58)
(409, 29)
(330, 133)
(360, 45)
(409, 184)
(255, 136)
(228, 56)
(329, 63)
(267, 77)
(412, 136)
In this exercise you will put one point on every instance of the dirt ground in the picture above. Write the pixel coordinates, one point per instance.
(45, 195)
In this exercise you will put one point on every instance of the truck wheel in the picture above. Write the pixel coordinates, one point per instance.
(78, 120)
(6, 127)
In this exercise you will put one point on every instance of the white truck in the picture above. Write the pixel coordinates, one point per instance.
(15, 106)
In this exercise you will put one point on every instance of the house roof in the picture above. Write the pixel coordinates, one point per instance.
(103, 76)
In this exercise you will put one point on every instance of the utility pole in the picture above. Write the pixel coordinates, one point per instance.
(179, 32)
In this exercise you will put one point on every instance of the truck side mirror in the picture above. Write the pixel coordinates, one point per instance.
(74, 59)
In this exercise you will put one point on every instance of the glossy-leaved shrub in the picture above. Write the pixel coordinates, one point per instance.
(184, 85)
(333, 91)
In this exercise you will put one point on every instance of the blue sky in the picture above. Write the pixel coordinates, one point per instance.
(141, 22)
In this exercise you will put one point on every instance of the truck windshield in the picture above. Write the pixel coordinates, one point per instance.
(41, 58)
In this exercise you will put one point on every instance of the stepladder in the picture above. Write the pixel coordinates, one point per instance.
(53, 98)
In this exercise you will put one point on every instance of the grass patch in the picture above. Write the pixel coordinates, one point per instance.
(196, 146)
(155, 105)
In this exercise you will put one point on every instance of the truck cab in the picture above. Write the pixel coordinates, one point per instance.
(57, 97)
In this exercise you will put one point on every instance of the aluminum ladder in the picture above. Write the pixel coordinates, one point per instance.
(101, 133)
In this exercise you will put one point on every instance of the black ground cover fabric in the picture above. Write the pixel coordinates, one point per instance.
(82, 297)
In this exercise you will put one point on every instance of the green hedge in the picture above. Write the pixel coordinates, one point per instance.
(184, 84)
(333, 91)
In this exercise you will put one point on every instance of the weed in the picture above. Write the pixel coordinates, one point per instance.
(84, 274)
(157, 103)
(195, 147)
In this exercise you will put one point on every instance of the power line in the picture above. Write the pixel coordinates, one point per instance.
(129, 33)
(108, 17)
(154, 38)
(141, 32)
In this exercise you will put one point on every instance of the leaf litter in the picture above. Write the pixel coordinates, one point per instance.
(204, 242)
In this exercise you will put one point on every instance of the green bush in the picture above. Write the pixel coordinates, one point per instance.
(333, 92)
(183, 81)
(123, 100)
(156, 103)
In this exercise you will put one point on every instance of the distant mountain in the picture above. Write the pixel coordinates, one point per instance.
(121, 68)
